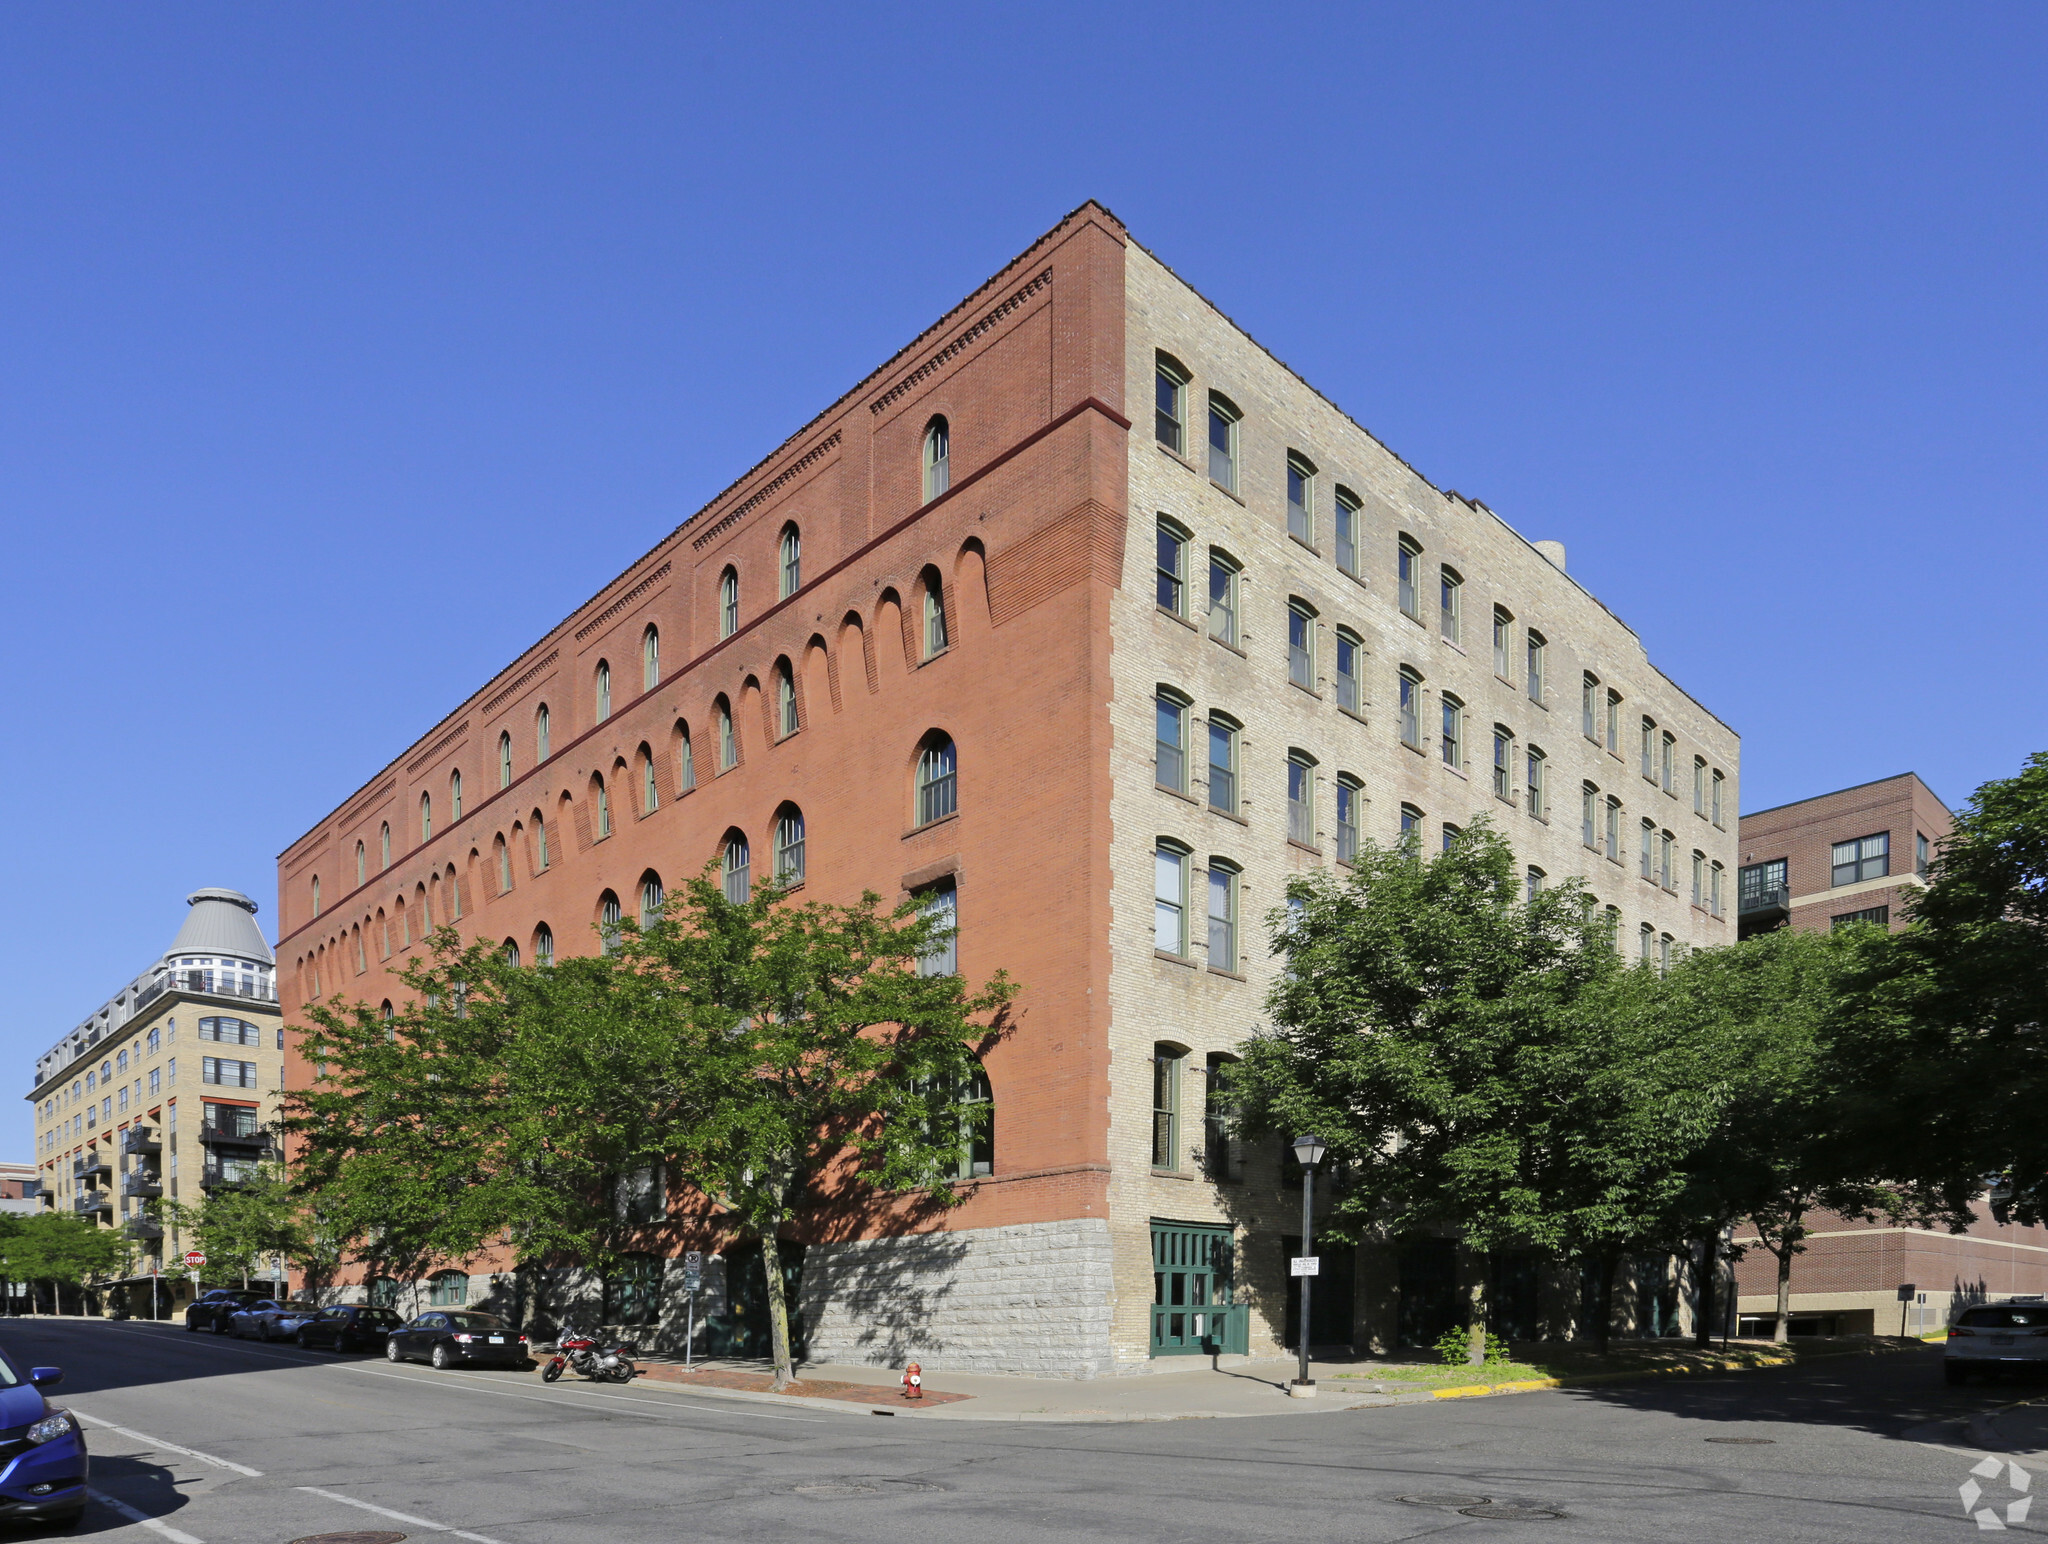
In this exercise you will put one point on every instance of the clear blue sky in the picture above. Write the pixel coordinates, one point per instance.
(345, 349)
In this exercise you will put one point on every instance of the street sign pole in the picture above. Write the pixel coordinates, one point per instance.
(693, 1278)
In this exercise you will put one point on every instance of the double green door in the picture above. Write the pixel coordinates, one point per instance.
(1193, 1284)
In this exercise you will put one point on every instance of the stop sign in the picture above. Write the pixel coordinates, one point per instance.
(195, 1259)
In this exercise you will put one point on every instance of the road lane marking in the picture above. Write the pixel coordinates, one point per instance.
(157, 1524)
(397, 1517)
(169, 1447)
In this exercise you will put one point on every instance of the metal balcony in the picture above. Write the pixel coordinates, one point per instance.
(207, 983)
(142, 1185)
(234, 1135)
(1758, 911)
(91, 1163)
(141, 1139)
(88, 1201)
(142, 1227)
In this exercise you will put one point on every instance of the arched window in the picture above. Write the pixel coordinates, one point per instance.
(650, 658)
(738, 884)
(650, 793)
(686, 762)
(973, 1118)
(454, 896)
(934, 618)
(504, 856)
(426, 816)
(543, 945)
(454, 795)
(602, 798)
(540, 842)
(540, 733)
(789, 846)
(362, 862)
(728, 738)
(728, 603)
(512, 952)
(785, 700)
(316, 895)
(505, 759)
(937, 781)
(608, 916)
(792, 560)
(604, 691)
(651, 897)
(1166, 1065)
(384, 846)
(938, 459)
(448, 1289)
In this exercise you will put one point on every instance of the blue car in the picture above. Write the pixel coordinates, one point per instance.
(42, 1447)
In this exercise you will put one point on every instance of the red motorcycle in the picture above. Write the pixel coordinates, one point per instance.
(600, 1364)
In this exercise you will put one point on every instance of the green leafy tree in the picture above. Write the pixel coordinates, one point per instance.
(63, 1251)
(242, 1227)
(773, 1057)
(1949, 1013)
(1476, 1058)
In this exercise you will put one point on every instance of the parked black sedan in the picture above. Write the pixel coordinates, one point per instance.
(350, 1327)
(448, 1337)
(212, 1311)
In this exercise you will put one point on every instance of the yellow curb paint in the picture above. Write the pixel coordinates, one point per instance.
(1463, 1391)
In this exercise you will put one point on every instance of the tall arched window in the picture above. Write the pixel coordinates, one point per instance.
(938, 459)
(934, 618)
(651, 897)
(792, 560)
(362, 862)
(384, 846)
(316, 895)
(426, 816)
(505, 759)
(604, 691)
(454, 896)
(728, 603)
(738, 863)
(650, 794)
(504, 866)
(686, 762)
(650, 658)
(543, 945)
(789, 846)
(608, 915)
(937, 781)
(968, 1128)
(540, 842)
(540, 734)
(512, 952)
(455, 795)
(728, 741)
(785, 700)
(602, 797)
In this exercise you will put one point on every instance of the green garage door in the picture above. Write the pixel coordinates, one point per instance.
(1192, 1311)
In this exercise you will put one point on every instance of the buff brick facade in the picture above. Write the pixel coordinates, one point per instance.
(1044, 550)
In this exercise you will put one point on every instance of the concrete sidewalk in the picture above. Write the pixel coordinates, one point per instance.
(1201, 1393)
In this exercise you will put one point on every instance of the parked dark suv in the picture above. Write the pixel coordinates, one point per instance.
(212, 1311)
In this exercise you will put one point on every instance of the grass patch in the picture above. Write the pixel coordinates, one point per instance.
(1623, 1359)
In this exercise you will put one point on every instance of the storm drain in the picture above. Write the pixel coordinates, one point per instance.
(1508, 1513)
(1745, 1441)
(351, 1538)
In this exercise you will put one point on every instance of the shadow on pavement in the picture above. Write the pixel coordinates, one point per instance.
(99, 1354)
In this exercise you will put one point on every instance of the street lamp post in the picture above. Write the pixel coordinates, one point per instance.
(1308, 1152)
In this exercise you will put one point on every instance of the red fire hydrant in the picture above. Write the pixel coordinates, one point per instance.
(913, 1382)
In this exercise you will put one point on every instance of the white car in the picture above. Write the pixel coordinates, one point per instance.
(1995, 1336)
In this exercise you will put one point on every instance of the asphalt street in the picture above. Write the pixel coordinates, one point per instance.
(198, 1440)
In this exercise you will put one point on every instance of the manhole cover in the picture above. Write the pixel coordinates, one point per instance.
(1445, 1498)
(1745, 1441)
(351, 1538)
(1526, 1514)
(838, 1488)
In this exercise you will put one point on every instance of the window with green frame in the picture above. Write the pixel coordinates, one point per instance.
(448, 1289)
(1193, 1266)
(965, 1123)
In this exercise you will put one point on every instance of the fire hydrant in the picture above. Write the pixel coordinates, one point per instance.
(913, 1382)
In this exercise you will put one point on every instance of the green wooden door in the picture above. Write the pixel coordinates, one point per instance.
(1193, 1313)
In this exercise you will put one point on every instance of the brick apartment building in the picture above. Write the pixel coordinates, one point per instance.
(1841, 858)
(1085, 617)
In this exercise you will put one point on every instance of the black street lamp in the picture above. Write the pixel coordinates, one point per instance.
(1308, 1152)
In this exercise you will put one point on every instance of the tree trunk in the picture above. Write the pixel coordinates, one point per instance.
(1610, 1263)
(1473, 1264)
(1703, 1313)
(778, 1307)
(1781, 1330)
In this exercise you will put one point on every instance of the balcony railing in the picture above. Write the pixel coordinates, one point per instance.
(216, 1177)
(141, 1139)
(233, 1135)
(209, 982)
(142, 1185)
(91, 1163)
(92, 1201)
(1775, 898)
(142, 1227)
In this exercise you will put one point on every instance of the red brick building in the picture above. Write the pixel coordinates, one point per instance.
(1086, 616)
(1841, 858)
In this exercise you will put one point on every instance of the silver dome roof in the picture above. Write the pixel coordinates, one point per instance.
(221, 922)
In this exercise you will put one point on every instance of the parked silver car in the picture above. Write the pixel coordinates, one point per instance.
(268, 1320)
(1994, 1337)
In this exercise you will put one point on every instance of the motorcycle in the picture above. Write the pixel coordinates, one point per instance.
(600, 1364)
